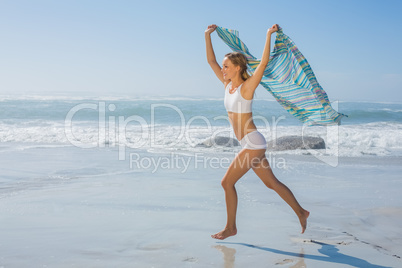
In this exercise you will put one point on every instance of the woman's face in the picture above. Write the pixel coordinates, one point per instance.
(229, 70)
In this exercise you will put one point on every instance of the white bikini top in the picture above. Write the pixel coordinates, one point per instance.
(235, 102)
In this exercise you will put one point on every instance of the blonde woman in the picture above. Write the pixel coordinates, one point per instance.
(239, 91)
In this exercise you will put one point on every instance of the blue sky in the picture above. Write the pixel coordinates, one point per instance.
(156, 48)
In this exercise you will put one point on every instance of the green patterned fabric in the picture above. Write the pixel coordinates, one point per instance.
(289, 78)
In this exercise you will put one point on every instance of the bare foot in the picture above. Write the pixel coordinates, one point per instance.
(303, 220)
(225, 233)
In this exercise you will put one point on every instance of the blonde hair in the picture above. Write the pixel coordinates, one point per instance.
(238, 59)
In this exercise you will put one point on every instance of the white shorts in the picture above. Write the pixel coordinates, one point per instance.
(254, 141)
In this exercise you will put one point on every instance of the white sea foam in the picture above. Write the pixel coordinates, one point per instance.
(181, 123)
(377, 139)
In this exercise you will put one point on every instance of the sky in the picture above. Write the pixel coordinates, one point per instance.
(157, 48)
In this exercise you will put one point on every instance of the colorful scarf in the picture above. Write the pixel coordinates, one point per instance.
(289, 78)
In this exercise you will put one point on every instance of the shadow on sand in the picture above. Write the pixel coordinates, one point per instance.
(332, 255)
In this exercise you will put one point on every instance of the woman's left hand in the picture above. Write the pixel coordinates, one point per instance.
(273, 29)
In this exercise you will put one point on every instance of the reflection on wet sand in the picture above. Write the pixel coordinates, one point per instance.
(331, 253)
(228, 255)
(229, 258)
(300, 261)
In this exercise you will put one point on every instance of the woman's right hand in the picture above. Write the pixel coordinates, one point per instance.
(273, 29)
(210, 29)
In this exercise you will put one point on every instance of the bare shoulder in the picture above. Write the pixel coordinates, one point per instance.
(247, 90)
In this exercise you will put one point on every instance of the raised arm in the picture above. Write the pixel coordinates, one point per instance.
(211, 54)
(255, 79)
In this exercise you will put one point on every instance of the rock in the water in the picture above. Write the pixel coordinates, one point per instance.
(220, 141)
(296, 142)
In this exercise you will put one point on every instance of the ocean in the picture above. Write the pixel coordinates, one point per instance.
(180, 125)
(124, 182)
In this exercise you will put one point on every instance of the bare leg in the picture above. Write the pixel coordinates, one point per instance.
(239, 166)
(264, 172)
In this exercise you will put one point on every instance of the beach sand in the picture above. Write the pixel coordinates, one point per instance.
(72, 207)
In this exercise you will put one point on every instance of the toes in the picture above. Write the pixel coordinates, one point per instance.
(215, 236)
